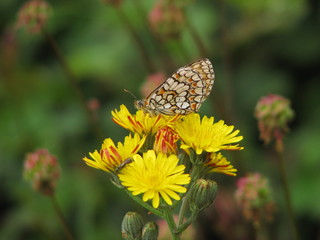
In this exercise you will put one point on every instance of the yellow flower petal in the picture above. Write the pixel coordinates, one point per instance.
(205, 135)
(111, 156)
(155, 175)
(218, 163)
(141, 123)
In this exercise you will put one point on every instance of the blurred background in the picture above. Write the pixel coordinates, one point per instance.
(59, 85)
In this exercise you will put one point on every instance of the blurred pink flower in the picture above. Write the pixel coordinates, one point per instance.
(152, 81)
(273, 113)
(254, 197)
(33, 15)
(93, 104)
(166, 19)
(42, 170)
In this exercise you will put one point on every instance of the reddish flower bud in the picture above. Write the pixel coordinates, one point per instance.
(253, 196)
(166, 19)
(273, 113)
(42, 170)
(33, 15)
(165, 141)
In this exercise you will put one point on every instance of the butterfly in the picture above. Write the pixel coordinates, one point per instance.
(183, 92)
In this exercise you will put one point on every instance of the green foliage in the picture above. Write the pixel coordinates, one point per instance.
(260, 46)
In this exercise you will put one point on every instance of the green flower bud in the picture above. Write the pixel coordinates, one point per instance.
(132, 226)
(150, 231)
(202, 194)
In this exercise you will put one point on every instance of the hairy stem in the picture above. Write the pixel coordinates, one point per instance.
(61, 217)
(286, 192)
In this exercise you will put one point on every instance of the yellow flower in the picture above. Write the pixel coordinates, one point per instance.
(141, 123)
(205, 135)
(218, 163)
(111, 156)
(155, 175)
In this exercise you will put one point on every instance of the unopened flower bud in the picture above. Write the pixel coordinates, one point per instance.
(165, 141)
(42, 169)
(34, 15)
(253, 196)
(202, 194)
(150, 231)
(132, 225)
(273, 113)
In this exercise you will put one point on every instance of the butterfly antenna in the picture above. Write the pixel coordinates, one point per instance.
(127, 91)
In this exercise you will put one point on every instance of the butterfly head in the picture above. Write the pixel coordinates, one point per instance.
(140, 104)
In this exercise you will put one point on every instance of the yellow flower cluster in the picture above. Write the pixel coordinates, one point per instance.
(147, 162)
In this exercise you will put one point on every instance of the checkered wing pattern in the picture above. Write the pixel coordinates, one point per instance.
(183, 92)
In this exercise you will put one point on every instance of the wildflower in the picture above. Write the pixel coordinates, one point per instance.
(110, 157)
(141, 123)
(152, 81)
(205, 135)
(165, 141)
(218, 163)
(155, 175)
(166, 19)
(273, 113)
(34, 15)
(42, 169)
(253, 195)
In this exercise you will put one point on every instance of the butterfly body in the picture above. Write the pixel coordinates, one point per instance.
(183, 92)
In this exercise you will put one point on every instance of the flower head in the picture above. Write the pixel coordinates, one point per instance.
(165, 141)
(34, 15)
(155, 175)
(141, 123)
(152, 81)
(205, 135)
(218, 163)
(273, 113)
(110, 156)
(42, 169)
(253, 195)
(166, 19)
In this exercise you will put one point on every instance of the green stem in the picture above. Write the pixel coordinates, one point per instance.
(171, 223)
(73, 82)
(135, 37)
(196, 37)
(146, 205)
(260, 231)
(183, 209)
(286, 191)
(227, 62)
(61, 217)
(186, 224)
(194, 174)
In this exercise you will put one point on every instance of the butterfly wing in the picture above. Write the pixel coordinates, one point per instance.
(205, 69)
(184, 92)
